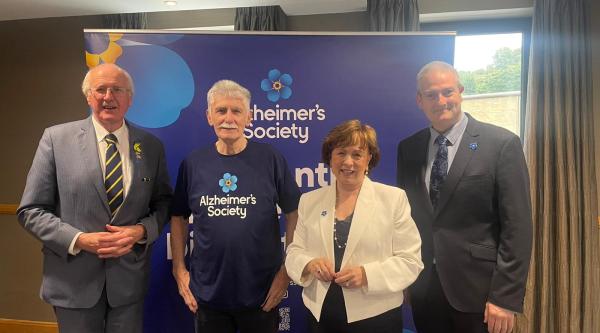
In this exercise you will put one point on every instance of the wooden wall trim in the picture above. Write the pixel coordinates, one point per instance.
(27, 326)
(8, 209)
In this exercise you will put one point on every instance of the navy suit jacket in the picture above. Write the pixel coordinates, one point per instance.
(65, 194)
(480, 233)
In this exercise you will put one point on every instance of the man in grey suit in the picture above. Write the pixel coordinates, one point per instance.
(468, 188)
(97, 196)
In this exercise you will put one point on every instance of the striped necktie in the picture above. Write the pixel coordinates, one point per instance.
(113, 179)
(439, 170)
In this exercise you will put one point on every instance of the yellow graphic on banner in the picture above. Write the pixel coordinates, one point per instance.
(110, 55)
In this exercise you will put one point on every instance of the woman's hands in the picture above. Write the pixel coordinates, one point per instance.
(320, 268)
(349, 277)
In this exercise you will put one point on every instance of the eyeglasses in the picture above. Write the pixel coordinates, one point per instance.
(433, 95)
(100, 92)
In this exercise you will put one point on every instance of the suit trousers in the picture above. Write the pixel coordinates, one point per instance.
(434, 314)
(101, 318)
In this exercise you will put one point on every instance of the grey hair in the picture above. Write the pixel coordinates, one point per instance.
(439, 65)
(85, 84)
(228, 88)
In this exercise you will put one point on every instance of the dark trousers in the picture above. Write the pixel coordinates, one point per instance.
(334, 319)
(101, 318)
(230, 321)
(434, 314)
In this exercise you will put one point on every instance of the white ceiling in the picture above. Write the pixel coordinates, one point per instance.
(27, 9)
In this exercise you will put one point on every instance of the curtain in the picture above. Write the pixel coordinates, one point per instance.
(265, 18)
(563, 286)
(125, 21)
(393, 15)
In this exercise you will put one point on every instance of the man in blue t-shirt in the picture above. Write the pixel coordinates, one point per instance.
(232, 189)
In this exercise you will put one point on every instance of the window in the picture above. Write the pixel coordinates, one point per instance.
(490, 70)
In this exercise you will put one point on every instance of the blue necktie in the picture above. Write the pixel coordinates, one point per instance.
(113, 179)
(439, 170)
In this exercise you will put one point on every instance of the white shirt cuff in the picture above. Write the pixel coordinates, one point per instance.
(72, 249)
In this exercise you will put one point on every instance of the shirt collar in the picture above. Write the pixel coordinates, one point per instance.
(101, 132)
(454, 133)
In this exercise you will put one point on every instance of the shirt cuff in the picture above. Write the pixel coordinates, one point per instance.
(72, 249)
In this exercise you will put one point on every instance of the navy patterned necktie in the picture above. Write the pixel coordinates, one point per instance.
(113, 179)
(439, 170)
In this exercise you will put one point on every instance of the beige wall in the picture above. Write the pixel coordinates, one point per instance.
(42, 64)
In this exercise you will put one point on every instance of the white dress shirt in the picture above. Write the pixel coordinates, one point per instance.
(122, 135)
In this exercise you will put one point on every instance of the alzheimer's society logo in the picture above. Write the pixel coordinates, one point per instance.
(277, 85)
(280, 122)
(228, 183)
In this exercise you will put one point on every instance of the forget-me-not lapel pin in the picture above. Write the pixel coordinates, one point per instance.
(473, 145)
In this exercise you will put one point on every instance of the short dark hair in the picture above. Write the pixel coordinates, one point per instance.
(348, 133)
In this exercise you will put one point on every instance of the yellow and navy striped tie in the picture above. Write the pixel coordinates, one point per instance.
(113, 179)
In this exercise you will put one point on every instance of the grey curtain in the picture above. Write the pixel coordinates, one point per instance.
(125, 21)
(563, 287)
(393, 15)
(265, 18)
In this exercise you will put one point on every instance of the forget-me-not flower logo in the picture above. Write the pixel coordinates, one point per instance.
(277, 85)
(228, 182)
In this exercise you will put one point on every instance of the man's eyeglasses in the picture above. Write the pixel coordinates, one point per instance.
(116, 91)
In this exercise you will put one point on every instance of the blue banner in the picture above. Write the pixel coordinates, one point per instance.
(327, 78)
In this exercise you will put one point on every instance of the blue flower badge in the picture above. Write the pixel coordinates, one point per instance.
(473, 146)
(277, 85)
(228, 182)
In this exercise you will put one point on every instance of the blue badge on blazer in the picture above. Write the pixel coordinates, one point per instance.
(323, 213)
(473, 145)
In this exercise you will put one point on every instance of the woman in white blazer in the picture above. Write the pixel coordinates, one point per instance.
(356, 247)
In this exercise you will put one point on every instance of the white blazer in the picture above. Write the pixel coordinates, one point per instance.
(383, 239)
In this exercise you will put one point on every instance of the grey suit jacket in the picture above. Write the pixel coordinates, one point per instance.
(480, 233)
(65, 194)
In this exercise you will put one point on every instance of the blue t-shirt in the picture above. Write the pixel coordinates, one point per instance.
(233, 198)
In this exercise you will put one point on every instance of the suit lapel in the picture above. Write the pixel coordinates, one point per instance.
(89, 150)
(461, 160)
(363, 213)
(421, 154)
(327, 213)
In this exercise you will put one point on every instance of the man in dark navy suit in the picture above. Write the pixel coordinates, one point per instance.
(468, 187)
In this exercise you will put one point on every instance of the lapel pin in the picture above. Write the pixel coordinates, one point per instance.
(473, 145)
(323, 213)
(137, 149)
(145, 179)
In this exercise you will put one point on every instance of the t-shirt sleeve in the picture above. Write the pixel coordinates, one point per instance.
(287, 189)
(179, 204)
